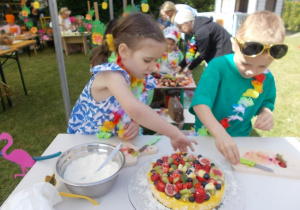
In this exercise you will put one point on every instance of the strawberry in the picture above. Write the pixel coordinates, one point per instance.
(213, 181)
(179, 185)
(282, 164)
(199, 195)
(185, 185)
(200, 179)
(160, 186)
(156, 164)
(154, 177)
(174, 156)
(189, 185)
(198, 166)
(165, 159)
(198, 185)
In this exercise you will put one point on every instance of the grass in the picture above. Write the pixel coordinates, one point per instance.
(36, 119)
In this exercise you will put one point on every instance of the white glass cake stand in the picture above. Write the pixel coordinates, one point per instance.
(141, 197)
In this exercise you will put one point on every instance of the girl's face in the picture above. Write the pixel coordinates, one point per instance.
(171, 44)
(250, 66)
(142, 61)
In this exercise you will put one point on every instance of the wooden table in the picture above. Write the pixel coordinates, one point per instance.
(259, 191)
(29, 36)
(19, 44)
(13, 54)
(75, 39)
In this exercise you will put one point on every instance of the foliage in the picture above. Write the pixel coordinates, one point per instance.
(79, 7)
(291, 15)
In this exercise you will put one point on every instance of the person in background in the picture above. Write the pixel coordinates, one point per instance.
(236, 87)
(34, 15)
(113, 101)
(212, 40)
(11, 27)
(170, 9)
(172, 56)
(163, 21)
(63, 20)
(79, 25)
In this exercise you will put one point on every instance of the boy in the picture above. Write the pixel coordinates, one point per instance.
(236, 87)
(11, 27)
(172, 56)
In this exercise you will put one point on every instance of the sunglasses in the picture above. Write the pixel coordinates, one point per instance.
(253, 49)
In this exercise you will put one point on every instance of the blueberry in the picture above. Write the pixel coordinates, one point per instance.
(218, 187)
(212, 164)
(199, 156)
(204, 183)
(180, 172)
(155, 182)
(177, 196)
(188, 171)
(170, 165)
(159, 160)
(206, 176)
(207, 197)
(169, 173)
(196, 162)
(184, 154)
(191, 199)
(177, 160)
(189, 179)
(152, 171)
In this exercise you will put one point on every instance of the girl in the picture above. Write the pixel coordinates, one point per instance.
(112, 101)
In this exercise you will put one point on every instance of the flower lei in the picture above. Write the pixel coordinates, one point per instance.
(239, 109)
(165, 58)
(191, 50)
(138, 87)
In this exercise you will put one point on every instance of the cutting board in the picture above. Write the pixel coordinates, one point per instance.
(130, 158)
(267, 158)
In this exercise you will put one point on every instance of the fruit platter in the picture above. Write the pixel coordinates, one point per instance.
(168, 80)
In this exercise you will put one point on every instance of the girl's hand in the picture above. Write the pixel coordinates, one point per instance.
(178, 69)
(132, 130)
(181, 142)
(227, 146)
(265, 120)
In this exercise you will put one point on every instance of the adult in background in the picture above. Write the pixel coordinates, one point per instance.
(170, 9)
(11, 27)
(212, 40)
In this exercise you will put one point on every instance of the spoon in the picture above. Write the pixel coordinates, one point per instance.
(78, 196)
(112, 154)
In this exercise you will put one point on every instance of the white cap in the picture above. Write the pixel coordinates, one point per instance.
(184, 16)
(172, 33)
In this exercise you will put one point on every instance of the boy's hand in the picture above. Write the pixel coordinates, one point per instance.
(265, 120)
(132, 130)
(181, 142)
(227, 146)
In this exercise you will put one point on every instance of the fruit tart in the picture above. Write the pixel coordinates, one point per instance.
(186, 181)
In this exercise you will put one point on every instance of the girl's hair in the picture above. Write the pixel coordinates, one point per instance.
(262, 26)
(96, 58)
(130, 30)
(169, 6)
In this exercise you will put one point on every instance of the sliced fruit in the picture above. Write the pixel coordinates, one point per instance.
(154, 177)
(160, 186)
(200, 195)
(282, 164)
(170, 190)
(216, 172)
(204, 161)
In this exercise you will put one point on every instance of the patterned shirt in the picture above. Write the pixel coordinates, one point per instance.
(88, 114)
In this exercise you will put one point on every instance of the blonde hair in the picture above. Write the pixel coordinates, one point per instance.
(262, 26)
(169, 6)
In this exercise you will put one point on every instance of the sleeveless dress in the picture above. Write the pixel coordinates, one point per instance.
(88, 115)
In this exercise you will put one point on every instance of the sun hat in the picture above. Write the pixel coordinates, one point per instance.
(10, 18)
(184, 16)
(64, 10)
(172, 33)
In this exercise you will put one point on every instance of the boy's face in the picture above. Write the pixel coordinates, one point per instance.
(250, 66)
(171, 44)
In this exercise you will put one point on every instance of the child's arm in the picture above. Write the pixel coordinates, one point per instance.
(265, 120)
(132, 130)
(141, 113)
(224, 142)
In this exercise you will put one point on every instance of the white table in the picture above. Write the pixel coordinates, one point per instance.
(261, 192)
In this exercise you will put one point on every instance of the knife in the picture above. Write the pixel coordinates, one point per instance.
(151, 142)
(253, 164)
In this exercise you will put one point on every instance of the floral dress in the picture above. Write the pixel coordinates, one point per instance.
(91, 117)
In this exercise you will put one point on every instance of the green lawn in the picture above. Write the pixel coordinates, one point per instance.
(36, 119)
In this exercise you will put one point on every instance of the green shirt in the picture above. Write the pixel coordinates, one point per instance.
(221, 86)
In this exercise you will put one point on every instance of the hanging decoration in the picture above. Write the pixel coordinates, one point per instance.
(96, 27)
(144, 6)
(104, 4)
(25, 17)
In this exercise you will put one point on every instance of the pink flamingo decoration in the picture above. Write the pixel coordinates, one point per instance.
(17, 156)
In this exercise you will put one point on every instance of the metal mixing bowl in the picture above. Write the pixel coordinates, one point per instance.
(94, 189)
